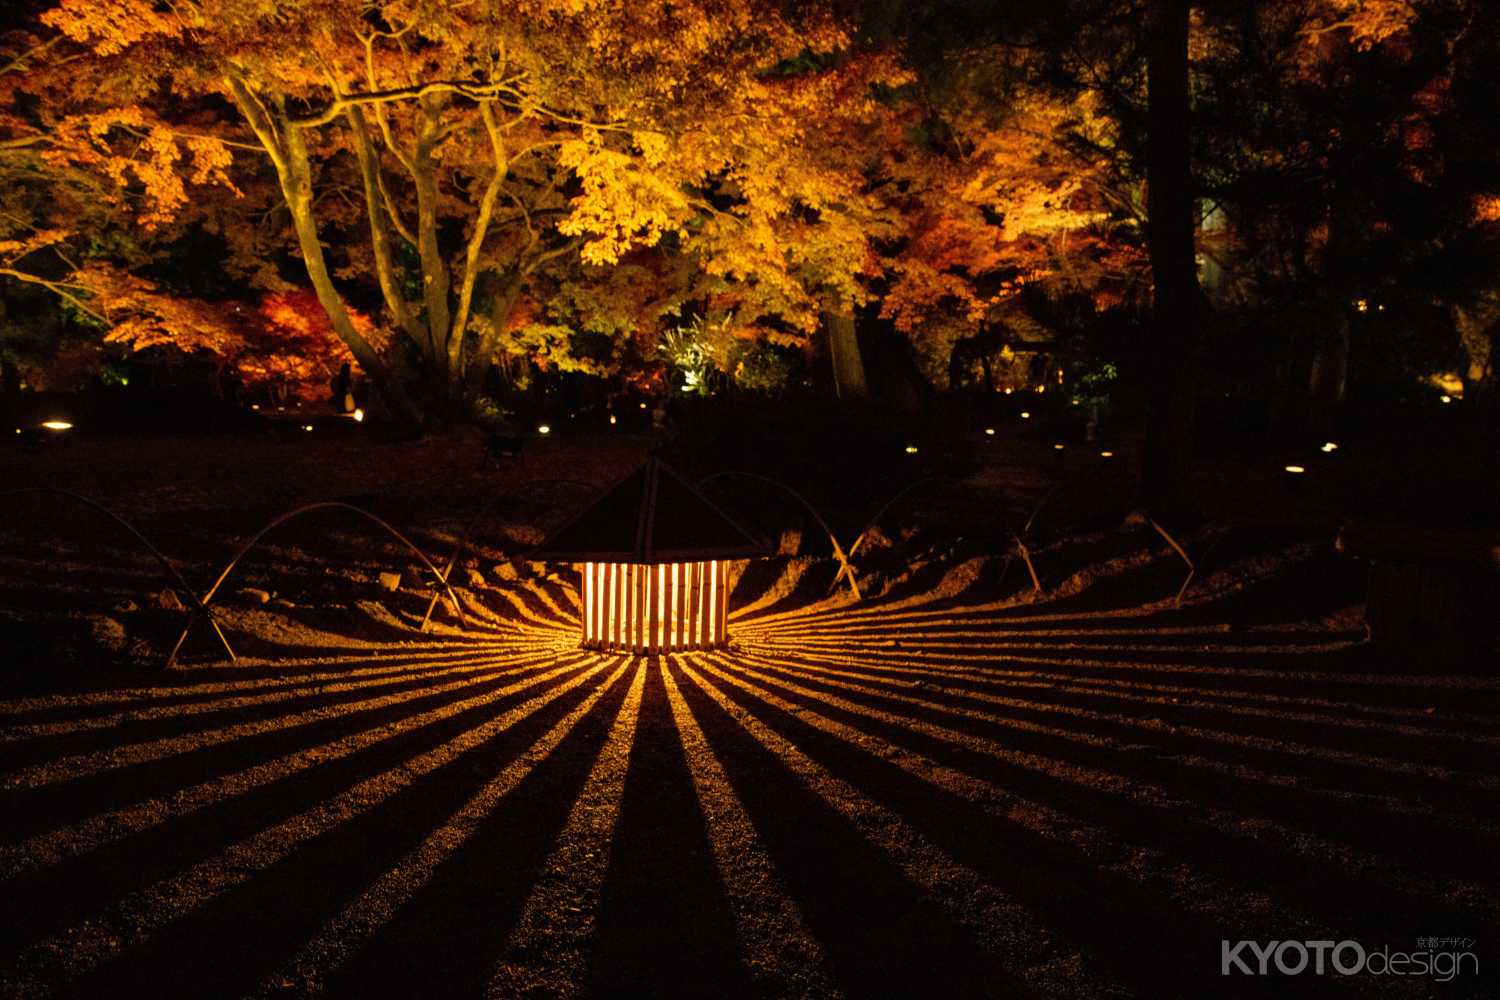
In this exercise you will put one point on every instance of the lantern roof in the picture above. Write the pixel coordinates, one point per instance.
(653, 515)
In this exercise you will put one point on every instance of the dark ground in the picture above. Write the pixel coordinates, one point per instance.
(954, 787)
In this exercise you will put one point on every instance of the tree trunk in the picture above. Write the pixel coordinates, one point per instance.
(843, 351)
(1166, 475)
(284, 143)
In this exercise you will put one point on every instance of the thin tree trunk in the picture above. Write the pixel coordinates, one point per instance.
(1166, 475)
(843, 351)
(288, 151)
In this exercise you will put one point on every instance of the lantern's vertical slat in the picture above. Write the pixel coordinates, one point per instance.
(631, 620)
(616, 604)
(599, 569)
(723, 610)
(644, 609)
(700, 631)
(679, 605)
(713, 600)
(607, 603)
(689, 609)
(699, 597)
(588, 603)
(702, 606)
(659, 607)
(622, 610)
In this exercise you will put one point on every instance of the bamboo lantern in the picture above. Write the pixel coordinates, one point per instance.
(654, 556)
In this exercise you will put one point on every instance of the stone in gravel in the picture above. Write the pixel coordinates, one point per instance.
(476, 579)
(107, 634)
(390, 582)
(506, 572)
(282, 602)
(167, 600)
(126, 607)
(255, 595)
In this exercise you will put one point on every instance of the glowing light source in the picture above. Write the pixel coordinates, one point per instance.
(630, 608)
(543, 429)
(1106, 454)
(1295, 470)
(1009, 390)
(643, 406)
(1446, 398)
(990, 431)
(653, 553)
(911, 449)
(1041, 388)
(1362, 305)
(359, 416)
(57, 425)
(613, 420)
(1330, 446)
(1058, 447)
(1025, 415)
(307, 427)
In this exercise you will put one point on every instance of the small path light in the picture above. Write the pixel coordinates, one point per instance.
(1446, 398)
(359, 416)
(1106, 454)
(1295, 470)
(911, 449)
(990, 431)
(543, 429)
(613, 420)
(1025, 415)
(1329, 447)
(57, 425)
(307, 427)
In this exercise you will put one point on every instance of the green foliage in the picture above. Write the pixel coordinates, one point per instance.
(765, 368)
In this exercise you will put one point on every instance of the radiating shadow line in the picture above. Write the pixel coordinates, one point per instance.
(250, 674)
(1373, 687)
(68, 801)
(1212, 848)
(547, 950)
(776, 944)
(664, 927)
(1239, 731)
(168, 938)
(144, 704)
(1370, 821)
(978, 681)
(91, 709)
(1117, 923)
(363, 917)
(129, 753)
(141, 727)
(1374, 774)
(882, 935)
(460, 916)
(103, 828)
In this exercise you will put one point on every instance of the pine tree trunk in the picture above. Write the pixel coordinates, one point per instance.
(1166, 475)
